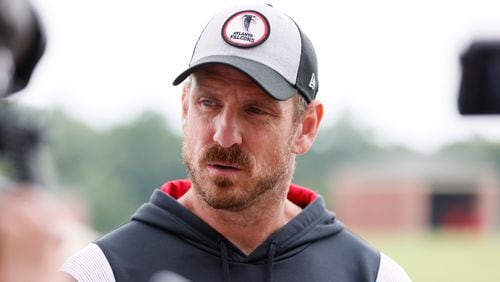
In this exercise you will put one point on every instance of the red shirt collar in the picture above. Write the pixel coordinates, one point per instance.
(298, 195)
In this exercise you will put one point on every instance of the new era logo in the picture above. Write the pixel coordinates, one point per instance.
(312, 82)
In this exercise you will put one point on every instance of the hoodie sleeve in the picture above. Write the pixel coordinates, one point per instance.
(390, 271)
(89, 264)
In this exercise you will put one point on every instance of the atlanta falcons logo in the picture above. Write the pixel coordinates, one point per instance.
(247, 20)
(245, 29)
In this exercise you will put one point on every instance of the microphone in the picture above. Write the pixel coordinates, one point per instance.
(167, 276)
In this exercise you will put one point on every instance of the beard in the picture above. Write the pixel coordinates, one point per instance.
(235, 195)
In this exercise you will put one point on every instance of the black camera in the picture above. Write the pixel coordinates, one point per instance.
(22, 44)
(20, 142)
(480, 81)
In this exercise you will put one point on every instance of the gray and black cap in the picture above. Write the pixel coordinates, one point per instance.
(265, 44)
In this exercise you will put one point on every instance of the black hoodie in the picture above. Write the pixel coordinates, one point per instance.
(163, 235)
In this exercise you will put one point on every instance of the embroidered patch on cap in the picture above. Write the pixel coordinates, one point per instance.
(246, 29)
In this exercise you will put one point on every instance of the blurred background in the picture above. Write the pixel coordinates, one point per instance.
(394, 159)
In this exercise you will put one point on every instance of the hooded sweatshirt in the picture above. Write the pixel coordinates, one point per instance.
(164, 235)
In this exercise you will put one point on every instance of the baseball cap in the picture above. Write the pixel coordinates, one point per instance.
(263, 43)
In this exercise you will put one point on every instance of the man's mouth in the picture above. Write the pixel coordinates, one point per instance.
(224, 166)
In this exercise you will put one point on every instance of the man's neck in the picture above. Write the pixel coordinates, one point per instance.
(246, 229)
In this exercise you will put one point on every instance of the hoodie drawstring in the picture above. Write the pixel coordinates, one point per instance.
(270, 262)
(225, 262)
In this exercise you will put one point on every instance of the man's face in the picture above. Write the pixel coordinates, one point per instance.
(237, 139)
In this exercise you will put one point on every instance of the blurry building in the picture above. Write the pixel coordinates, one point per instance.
(417, 195)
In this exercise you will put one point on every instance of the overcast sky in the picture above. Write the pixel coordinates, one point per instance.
(393, 65)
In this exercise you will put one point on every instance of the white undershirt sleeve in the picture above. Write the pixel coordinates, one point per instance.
(390, 271)
(89, 265)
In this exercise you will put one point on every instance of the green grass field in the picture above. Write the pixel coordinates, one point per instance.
(444, 257)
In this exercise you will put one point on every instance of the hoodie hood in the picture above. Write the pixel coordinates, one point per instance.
(163, 235)
(312, 224)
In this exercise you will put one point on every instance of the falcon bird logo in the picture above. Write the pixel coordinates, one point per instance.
(247, 20)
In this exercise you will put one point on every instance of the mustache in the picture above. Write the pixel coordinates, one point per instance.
(233, 155)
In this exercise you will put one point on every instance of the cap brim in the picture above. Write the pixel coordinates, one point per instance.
(271, 81)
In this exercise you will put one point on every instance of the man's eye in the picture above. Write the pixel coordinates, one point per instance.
(255, 111)
(208, 103)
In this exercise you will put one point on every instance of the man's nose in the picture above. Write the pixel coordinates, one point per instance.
(227, 130)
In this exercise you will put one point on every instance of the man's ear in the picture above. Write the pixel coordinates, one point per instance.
(308, 128)
(185, 101)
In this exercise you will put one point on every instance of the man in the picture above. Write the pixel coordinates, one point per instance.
(248, 108)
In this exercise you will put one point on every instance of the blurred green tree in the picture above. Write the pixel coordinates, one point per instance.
(117, 169)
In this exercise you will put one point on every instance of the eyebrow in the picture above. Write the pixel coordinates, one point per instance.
(207, 89)
(203, 91)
